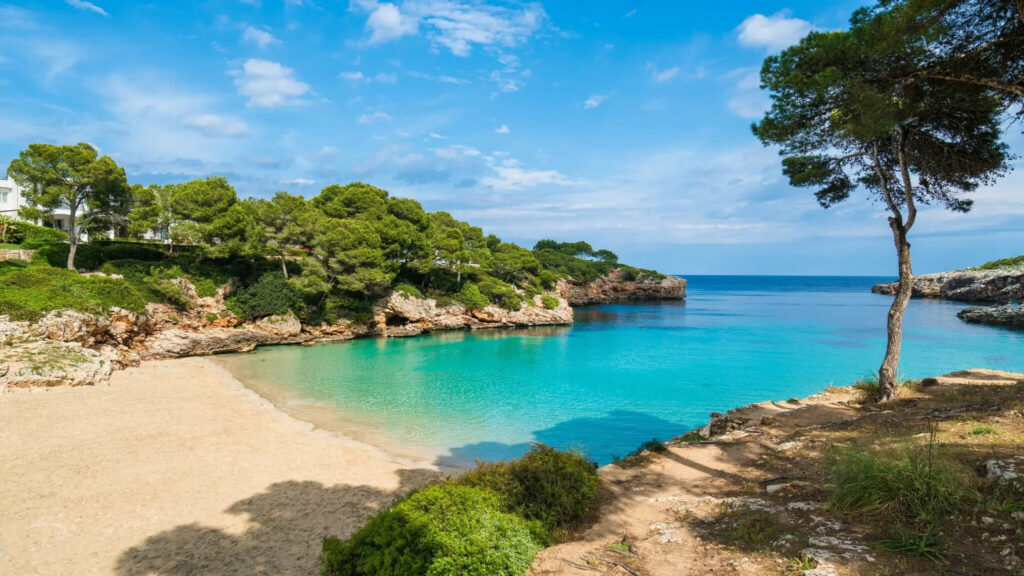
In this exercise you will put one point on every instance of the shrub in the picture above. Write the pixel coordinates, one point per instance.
(408, 289)
(916, 483)
(166, 283)
(549, 301)
(31, 236)
(553, 488)
(92, 256)
(1015, 262)
(471, 297)
(269, 296)
(500, 293)
(29, 293)
(442, 530)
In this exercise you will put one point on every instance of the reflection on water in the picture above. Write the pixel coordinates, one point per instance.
(621, 375)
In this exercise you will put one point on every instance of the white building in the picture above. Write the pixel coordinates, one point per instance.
(12, 200)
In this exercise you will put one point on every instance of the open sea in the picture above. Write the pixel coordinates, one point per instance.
(623, 374)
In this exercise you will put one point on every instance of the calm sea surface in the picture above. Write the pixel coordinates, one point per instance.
(622, 374)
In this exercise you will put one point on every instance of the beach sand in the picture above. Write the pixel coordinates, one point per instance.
(173, 469)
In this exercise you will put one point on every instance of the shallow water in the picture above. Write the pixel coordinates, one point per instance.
(622, 374)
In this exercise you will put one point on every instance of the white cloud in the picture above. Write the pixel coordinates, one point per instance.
(356, 77)
(594, 101)
(386, 78)
(301, 182)
(216, 125)
(660, 76)
(630, 14)
(774, 32)
(374, 117)
(386, 23)
(261, 38)
(503, 129)
(455, 25)
(506, 83)
(268, 84)
(87, 6)
(746, 99)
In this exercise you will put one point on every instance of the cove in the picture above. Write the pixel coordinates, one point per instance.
(622, 374)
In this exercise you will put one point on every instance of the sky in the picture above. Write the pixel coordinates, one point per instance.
(622, 123)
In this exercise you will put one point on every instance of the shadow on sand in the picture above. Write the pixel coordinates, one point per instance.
(286, 524)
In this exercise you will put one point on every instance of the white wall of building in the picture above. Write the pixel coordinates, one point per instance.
(12, 199)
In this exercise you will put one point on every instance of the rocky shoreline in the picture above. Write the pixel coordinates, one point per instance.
(73, 348)
(998, 291)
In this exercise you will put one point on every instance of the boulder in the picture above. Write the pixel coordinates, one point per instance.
(285, 326)
(1005, 315)
(72, 326)
(53, 363)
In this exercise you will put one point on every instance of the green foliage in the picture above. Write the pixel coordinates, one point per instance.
(28, 293)
(916, 484)
(408, 289)
(501, 294)
(555, 489)
(166, 281)
(549, 301)
(907, 542)
(71, 177)
(471, 297)
(753, 530)
(270, 295)
(31, 236)
(93, 255)
(442, 530)
(1005, 263)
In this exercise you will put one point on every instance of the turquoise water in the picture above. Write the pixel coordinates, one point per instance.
(623, 373)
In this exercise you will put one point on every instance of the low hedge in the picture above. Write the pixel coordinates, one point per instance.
(270, 295)
(92, 256)
(30, 236)
(30, 293)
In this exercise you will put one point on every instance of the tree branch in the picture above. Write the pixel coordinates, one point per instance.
(908, 189)
(1016, 89)
(886, 194)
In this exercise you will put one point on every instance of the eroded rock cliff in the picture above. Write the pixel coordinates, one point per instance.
(966, 285)
(618, 287)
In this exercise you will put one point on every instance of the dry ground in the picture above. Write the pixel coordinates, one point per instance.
(754, 501)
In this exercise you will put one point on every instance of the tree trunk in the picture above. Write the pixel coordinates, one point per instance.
(284, 267)
(72, 235)
(888, 373)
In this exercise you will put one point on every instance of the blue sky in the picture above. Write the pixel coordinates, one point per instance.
(622, 123)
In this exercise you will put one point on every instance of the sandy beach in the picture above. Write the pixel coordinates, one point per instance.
(173, 469)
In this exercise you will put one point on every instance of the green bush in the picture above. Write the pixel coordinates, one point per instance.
(917, 483)
(549, 301)
(29, 293)
(1015, 262)
(31, 236)
(92, 256)
(442, 530)
(408, 289)
(269, 296)
(471, 297)
(553, 488)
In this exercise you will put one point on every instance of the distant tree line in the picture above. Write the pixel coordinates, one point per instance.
(333, 252)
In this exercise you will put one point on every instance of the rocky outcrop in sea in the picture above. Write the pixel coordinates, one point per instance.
(1001, 289)
(618, 287)
(967, 285)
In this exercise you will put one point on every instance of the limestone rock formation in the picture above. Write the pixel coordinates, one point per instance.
(1004, 315)
(617, 287)
(968, 285)
(52, 363)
